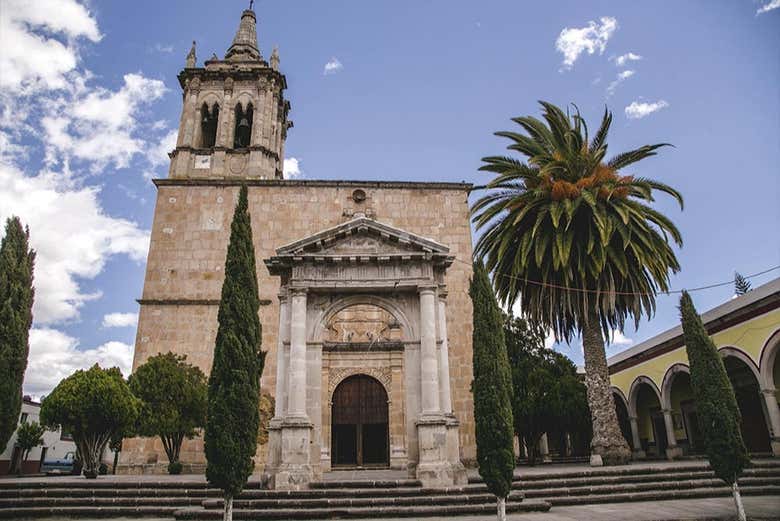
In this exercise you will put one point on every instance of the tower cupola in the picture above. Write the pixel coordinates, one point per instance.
(244, 46)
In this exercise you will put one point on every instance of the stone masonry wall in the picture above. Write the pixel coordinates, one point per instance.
(184, 272)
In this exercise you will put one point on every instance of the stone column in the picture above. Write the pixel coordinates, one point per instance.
(638, 452)
(296, 390)
(280, 394)
(544, 449)
(295, 470)
(672, 450)
(429, 364)
(445, 395)
(773, 411)
(433, 467)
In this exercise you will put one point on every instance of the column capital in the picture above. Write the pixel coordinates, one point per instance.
(282, 296)
(443, 292)
(297, 292)
(426, 288)
(667, 411)
(633, 418)
(769, 392)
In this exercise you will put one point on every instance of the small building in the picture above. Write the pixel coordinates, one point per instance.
(652, 386)
(56, 445)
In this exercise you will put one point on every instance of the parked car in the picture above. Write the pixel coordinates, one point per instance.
(66, 465)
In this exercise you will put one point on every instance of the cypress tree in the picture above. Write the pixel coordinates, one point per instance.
(492, 388)
(16, 300)
(234, 381)
(716, 406)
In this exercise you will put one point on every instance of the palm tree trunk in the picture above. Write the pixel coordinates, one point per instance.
(608, 441)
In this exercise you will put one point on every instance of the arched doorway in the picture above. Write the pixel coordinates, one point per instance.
(359, 423)
(683, 407)
(645, 400)
(745, 383)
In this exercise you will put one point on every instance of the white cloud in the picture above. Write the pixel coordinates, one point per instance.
(55, 355)
(769, 6)
(31, 57)
(120, 319)
(333, 66)
(159, 47)
(73, 237)
(594, 37)
(637, 110)
(99, 125)
(621, 77)
(617, 338)
(292, 168)
(158, 154)
(623, 59)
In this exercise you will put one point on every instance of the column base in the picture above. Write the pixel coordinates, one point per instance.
(673, 453)
(459, 475)
(775, 443)
(434, 469)
(596, 461)
(294, 470)
(638, 454)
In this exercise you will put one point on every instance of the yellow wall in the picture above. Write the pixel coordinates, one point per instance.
(748, 336)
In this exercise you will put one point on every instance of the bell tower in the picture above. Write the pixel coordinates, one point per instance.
(234, 114)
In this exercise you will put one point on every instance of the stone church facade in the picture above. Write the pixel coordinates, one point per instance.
(363, 285)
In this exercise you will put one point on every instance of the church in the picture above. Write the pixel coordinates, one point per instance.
(367, 321)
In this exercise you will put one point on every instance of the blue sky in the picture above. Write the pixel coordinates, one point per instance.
(380, 90)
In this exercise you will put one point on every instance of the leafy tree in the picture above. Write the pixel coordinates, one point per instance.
(266, 408)
(716, 406)
(93, 405)
(28, 436)
(234, 382)
(173, 394)
(492, 388)
(741, 284)
(16, 299)
(577, 243)
(547, 395)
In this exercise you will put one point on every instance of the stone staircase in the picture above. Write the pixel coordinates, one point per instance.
(189, 498)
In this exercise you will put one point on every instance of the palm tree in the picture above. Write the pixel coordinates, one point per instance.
(577, 243)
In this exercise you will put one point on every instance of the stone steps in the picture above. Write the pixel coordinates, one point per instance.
(192, 499)
(417, 512)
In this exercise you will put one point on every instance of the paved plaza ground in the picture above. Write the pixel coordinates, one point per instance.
(758, 508)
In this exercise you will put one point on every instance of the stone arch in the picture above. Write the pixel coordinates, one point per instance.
(634, 392)
(618, 394)
(391, 306)
(767, 360)
(666, 386)
(740, 355)
(339, 375)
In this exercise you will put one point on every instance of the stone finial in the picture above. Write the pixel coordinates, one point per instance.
(191, 57)
(244, 46)
(275, 59)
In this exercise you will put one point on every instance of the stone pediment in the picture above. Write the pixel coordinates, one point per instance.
(361, 239)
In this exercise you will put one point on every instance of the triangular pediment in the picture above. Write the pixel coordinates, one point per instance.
(363, 237)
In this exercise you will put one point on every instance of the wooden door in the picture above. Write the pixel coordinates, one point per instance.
(359, 420)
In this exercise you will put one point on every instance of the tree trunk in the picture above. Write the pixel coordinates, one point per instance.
(501, 508)
(738, 502)
(608, 441)
(228, 509)
(116, 460)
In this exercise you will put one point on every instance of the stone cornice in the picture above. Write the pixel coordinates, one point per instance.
(186, 302)
(239, 71)
(319, 183)
(229, 151)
